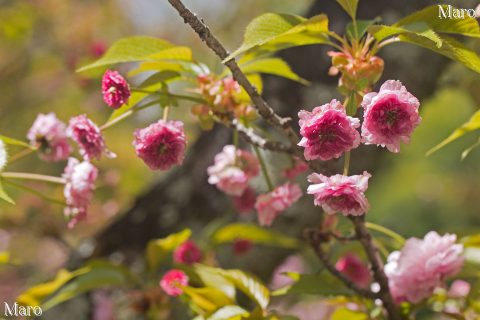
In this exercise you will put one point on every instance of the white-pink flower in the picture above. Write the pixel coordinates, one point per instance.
(339, 193)
(327, 131)
(390, 116)
(232, 170)
(49, 135)
(78, 191)
(89, 138)
(422, 265)
(270, 205)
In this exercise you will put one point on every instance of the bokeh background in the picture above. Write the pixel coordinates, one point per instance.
(43, 42)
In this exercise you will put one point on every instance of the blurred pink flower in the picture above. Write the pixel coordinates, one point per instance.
(173, 281)
(390, 116)
(98, 48)
(103, 306)
(187, 253)
(339, 193)
(232, 170)
(80, 178)
(161, 145)
(270, 205)
(422, 265)
(327, 131)
(242, 246)
(354, 269)
(49, 135)
(115, 89)
(293, 263)
(246, 202)
(88, 137)
(459, 289)
(296, 169)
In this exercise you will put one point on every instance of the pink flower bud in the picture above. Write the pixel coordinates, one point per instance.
(270, 205)
(161, 145)
(88, 137)
(327, 131)
(354, 269)
(173, 282)
(115, 89)
(187, 253)
(339, 193)
(459, 289)
(422, 265)
(246, 202)
(390, 116)
(242, 246)
(49, 135)
(296, 169)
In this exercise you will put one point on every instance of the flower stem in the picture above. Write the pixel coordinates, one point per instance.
(165, 113)
(264, 168)
(392, 234)
(346, 163)
(128, 114)
(172, 95)
(35, 192)
(21, 154)
(32, 176)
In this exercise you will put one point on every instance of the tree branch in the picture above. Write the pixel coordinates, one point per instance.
(377, 266)
(315, 240)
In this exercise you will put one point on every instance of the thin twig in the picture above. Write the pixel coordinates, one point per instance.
(314, 238)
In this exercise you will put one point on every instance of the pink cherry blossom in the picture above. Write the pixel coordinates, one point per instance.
(459, 289)
(241, 246)
(270, 205)
(422, 265)
(173, 282)
(296, 169)
(88, 137)
(245, 202)
(354, 269)
(115, 89)
(232, 170)
(187, 253)
(327, 131)
(339, 193)
(49, 135)
(390, 116)
(78, 191)
(161, 145)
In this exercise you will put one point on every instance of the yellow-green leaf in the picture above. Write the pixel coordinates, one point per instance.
(344, 313)
(421, 29)
(157, 250)
(229, 313)
(208, 299)
(275, 66)
(15, 142)
(466, 26)
(130, 49)
(4, 257)
(350, 7)
(256, 81)
(4, 196)
(271, 32)
(471, 125)
(253, 233)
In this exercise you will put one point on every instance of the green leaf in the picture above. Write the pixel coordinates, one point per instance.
(362, 26)
(350, 6)
(211, 278)
(420, 29)
(174, 54)
(467, 26)
(271, 32)
(471, 125)
(130, 49)
(15, 142)
(471, 241)
(451, 48)
(256, 81)
(255, 234)
(315, 284)
(247, 283)
(157, 250)
(37, 294)
(100, 274)
(3, 195)
(275, 66)
(208, 299)
(4, 257)
(344, 313)
(229, 313)
(159, 77)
